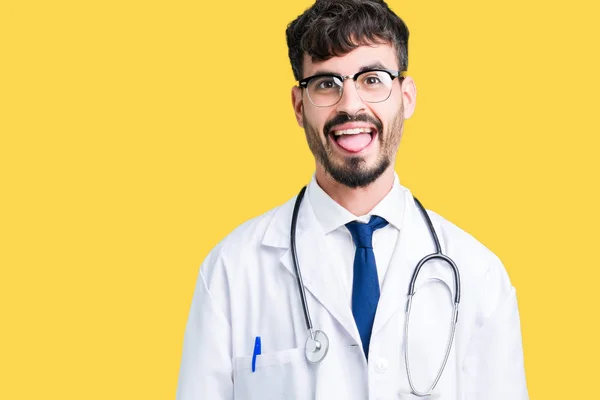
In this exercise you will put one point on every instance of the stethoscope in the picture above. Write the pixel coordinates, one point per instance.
(317, 343)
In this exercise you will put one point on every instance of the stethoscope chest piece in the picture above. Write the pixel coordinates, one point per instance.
(316, 347)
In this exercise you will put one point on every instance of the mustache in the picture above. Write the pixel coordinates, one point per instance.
(342, 118)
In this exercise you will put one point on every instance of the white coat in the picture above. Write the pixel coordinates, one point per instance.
(247, 288)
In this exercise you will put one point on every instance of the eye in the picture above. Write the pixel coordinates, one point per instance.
(325, 84)
(370, 80)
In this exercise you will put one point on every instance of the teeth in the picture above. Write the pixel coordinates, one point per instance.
(354, 131)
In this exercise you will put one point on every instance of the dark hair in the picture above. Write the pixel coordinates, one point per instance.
(332, 28)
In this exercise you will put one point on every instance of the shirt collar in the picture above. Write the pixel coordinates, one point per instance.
(331, 215)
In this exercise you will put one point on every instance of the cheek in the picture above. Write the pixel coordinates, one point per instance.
(385, 115)
(394, 103)
(314, 120)
(392, 111)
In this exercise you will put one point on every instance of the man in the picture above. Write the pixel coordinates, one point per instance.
(359, 235)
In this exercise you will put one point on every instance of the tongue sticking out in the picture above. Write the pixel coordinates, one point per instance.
(354, 143)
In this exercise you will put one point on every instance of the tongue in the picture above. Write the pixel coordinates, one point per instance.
(354, 143)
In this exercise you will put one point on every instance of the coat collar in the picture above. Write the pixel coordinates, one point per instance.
(319, 273)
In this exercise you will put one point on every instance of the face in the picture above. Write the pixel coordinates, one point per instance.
(354, 141)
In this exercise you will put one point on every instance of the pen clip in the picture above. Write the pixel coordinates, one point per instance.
(257, 351)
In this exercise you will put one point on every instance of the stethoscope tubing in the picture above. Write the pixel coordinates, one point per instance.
(411, 291)
(299, 280)
(437, 255)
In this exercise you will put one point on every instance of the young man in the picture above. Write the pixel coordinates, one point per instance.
(359, 236)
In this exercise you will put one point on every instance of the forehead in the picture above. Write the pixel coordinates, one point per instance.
(349, 64)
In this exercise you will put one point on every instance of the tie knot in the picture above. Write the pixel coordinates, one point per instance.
(362, 234)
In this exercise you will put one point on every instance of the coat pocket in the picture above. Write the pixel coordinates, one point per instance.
(282, 375)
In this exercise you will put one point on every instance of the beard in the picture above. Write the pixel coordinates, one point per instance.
(353, 171)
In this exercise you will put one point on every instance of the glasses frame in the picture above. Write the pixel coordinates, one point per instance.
(303, 83)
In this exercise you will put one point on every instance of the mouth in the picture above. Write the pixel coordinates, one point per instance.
(353, 140)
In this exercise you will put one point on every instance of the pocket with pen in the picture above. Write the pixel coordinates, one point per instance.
(277, 375)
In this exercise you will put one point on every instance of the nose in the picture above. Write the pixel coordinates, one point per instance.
(350, 103)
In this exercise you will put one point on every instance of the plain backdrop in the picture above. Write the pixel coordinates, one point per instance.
(135, 135)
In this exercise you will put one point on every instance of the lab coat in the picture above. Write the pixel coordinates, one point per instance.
(247, 288)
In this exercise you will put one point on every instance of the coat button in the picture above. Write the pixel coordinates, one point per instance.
(381, 365)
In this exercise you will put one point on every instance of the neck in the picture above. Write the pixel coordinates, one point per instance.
(359, 201)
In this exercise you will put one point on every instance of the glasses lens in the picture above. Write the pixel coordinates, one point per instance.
(374, 86)
(325, 91)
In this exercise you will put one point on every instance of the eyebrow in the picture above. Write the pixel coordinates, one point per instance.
(375, 65)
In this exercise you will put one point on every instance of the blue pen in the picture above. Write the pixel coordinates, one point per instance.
(257, 352)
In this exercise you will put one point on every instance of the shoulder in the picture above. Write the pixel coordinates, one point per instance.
(456, 239)
(475, 259)
(480, 268)
(243, 244)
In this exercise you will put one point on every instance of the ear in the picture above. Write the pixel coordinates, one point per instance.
(409, 96)
(298, 105)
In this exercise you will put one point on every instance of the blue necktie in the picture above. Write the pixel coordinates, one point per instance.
(365, 284)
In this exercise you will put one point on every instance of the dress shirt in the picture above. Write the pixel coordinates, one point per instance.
(333, 219)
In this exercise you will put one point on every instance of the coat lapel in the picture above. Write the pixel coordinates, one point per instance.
(414, 242)
(317, 270)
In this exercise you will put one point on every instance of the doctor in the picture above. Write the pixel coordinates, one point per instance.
(359, 236)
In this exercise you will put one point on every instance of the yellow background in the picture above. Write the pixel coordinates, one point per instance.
(136, 134)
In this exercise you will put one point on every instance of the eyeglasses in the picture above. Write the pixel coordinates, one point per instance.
(373, 86)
